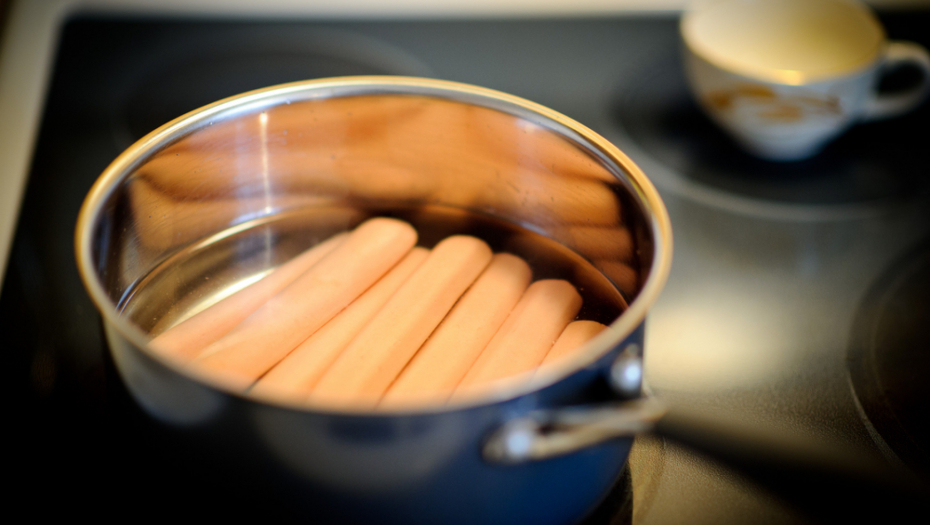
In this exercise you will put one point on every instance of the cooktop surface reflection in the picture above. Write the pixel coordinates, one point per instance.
(774, 266)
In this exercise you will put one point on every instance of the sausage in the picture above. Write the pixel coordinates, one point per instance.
(526, 336)
(450, 351)
(296, 375)
(371, 362)
(186, 339)
(300, 309)
(576, 334)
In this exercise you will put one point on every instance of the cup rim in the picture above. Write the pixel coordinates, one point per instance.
(123, 166)
(793, 77)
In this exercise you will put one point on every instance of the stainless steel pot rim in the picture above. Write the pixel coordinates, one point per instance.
(254, 101)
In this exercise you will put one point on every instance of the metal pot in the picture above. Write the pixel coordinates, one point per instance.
(255, 178)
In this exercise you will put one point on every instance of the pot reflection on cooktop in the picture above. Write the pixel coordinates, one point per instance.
(874, 163)
(889, 363)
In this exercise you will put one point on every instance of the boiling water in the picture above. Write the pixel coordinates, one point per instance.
(204, 273)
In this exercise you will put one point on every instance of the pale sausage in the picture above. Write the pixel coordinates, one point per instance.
(294, 377)
(186, 339)
(447, 355)
(300, 309)
(576, 334)
(527, 335)
(372, 361)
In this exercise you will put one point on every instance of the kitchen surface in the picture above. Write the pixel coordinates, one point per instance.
(796, 302)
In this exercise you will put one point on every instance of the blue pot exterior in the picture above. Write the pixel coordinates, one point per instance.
(407, 468)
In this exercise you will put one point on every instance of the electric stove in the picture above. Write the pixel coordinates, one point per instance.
(797, 300)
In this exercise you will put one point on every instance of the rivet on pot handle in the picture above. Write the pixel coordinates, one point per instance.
(626, 372)
(549, 433)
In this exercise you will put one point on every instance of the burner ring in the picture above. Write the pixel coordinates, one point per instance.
(888, 361)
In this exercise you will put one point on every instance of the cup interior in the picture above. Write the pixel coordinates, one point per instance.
(816, 39)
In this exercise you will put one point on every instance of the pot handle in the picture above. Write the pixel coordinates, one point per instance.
(555, 432)
(545, 434)
(826, 481)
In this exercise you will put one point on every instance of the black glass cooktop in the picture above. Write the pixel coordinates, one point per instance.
(87, 449)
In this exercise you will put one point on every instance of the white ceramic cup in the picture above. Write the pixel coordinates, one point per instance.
(784, 77)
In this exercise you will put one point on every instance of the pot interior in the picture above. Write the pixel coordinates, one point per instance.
(217, 199)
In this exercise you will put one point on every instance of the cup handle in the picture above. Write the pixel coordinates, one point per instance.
(901, 53)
